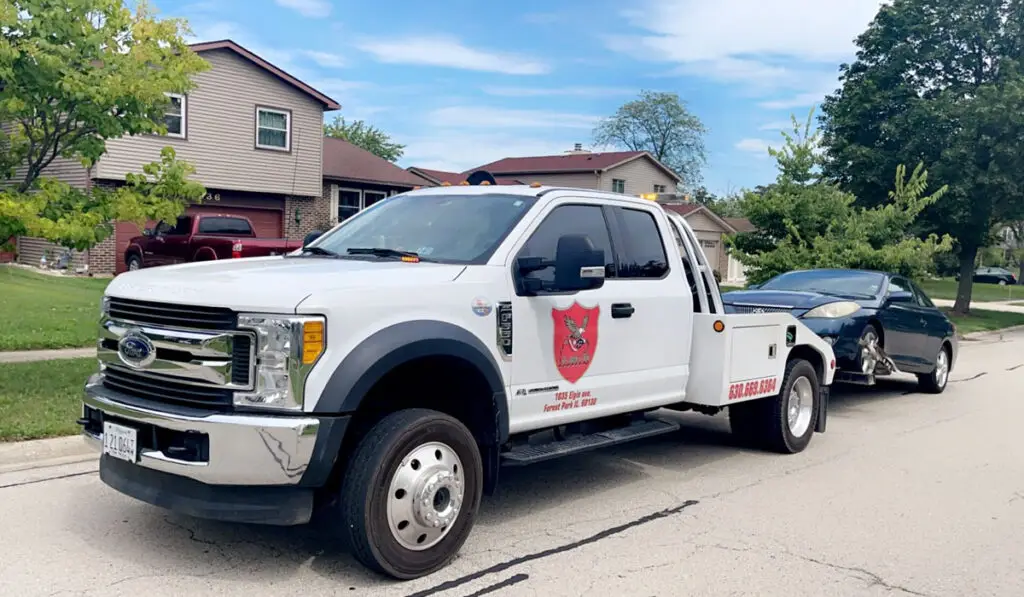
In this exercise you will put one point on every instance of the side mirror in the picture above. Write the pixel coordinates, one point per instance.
(312, 236)
(900, 296)
(578, 265)
(147, 232)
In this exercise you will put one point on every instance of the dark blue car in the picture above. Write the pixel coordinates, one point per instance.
(877, 323)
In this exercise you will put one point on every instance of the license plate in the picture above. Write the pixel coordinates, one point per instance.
(120, 442)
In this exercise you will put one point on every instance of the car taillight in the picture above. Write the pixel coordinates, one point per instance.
(236, 250)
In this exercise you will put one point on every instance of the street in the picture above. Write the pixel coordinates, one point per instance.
(905, 494)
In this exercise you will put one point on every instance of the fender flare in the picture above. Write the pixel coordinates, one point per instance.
(400, 343)
(204, 250)
(133, 249)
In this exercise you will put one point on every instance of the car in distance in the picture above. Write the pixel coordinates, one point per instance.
(877, 323)
(992, 275)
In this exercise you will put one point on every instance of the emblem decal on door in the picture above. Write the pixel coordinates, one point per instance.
(575, 339)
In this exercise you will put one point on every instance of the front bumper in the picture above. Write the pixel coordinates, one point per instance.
(189, 458)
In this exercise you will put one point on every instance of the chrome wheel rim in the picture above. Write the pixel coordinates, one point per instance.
(133, 265)
(941, 368)
(799, 406)
(425, 496)
(869, 346)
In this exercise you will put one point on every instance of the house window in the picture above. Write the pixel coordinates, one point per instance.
(659, 188)
(618, 185)
(174, 117)
(349, 203)
(273, 129)
(371, 197)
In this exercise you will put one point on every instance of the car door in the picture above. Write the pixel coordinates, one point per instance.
(901, 323)
(177, 241)
(580, 354)
(936, 328)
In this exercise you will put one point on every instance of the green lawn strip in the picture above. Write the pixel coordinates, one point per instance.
(38, 311)
(982, 320)
(42, 399)
(946, 289)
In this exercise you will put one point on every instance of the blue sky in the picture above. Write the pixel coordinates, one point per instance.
(462, 83)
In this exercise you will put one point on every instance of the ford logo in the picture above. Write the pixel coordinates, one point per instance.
(135, 350)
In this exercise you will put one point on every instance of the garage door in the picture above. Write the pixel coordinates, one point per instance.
(266, 222)
(711, 248)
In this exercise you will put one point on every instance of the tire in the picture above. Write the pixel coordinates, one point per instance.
(386, 473)
(1002, 282)
(863, 360)
(134, 263)
(936, 381)
(765, 422)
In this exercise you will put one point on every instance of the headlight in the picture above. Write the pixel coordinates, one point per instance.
(104, 306)
(286, 350)
(833, 310)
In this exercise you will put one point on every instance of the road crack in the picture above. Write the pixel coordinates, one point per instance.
(873, 580)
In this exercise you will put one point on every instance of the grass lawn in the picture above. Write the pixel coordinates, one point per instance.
(40, 311)
(42, 399)
(981, 320)
(946, 289)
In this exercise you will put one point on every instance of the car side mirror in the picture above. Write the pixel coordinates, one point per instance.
(578, 265)
(312, 236)
(147, 232)
(900, 296)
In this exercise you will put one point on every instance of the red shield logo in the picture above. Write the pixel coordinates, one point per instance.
(575, 336)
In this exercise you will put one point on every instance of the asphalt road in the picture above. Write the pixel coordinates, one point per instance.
(906, 494)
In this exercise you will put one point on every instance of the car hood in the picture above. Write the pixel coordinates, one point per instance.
(792, 300)
(270, 284)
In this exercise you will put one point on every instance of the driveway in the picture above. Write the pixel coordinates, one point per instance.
(906, 494)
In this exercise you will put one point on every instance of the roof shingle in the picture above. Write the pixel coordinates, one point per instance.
(345, 161)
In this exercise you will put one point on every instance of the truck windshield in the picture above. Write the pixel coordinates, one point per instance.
(445, 228)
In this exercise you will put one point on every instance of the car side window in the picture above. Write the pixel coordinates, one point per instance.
(922, 298)
(224, 225)
(897, 285)
(183, 226)
(569, 219)
(643, 255)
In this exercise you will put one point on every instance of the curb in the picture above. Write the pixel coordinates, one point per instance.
(42, 453)
(991, 333)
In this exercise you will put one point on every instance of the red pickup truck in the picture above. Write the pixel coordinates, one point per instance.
(201, 237)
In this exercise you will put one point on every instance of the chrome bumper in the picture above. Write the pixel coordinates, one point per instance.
(243, 449)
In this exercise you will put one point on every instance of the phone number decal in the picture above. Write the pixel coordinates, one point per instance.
(756, 387)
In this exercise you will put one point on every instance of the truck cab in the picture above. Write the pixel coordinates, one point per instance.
(391, 368)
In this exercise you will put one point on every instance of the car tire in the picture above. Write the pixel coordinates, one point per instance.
(869, 331)
(134, 263)
(936, 381)
(785, 422)
(404, 476)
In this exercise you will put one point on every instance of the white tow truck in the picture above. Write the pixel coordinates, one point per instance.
(393, 365)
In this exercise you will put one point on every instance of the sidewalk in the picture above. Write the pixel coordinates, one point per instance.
(985, 306)
(27, 356)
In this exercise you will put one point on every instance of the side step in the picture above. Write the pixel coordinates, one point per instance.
(527, 454)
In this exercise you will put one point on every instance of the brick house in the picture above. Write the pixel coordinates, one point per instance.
(255, 136)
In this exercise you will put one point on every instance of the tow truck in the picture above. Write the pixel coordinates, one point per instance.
(391, 367)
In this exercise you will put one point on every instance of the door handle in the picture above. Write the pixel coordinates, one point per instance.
(622, 310)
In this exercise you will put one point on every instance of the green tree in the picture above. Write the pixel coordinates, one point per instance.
(723, 207)
(76, 73)
(366, 136)
(936, 81)
(659, 123)
(804, 221)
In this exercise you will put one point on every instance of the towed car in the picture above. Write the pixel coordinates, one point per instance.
(877, 323)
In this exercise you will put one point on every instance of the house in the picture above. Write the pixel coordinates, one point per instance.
(356, 179)
(438, 177)
(255, 136)
(711, 231)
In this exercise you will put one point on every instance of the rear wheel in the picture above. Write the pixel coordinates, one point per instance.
(935, 382)
(410, 496)
(785, 422)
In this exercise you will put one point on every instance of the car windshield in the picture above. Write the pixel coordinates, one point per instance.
(443, 228)
(836, 283)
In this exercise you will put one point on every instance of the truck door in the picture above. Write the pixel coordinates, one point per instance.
(580, 355)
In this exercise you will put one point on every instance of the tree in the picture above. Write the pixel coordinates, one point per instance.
(366, 136)
(659, 123)
(723, 207)
(936, 81)
(804, 221)
(76, 73)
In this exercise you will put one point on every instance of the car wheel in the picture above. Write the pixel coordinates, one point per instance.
(411, 496)
(867, 362)
(785, 422)
(1002, 282)
(134, 263)
(935, 382)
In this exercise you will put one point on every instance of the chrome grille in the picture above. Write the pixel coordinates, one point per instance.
(163, 388)
(172, 316)
(759, 309)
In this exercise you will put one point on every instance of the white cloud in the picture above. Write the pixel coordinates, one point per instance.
(449, 52)
(753, 145)
(456, 151)
(307, 8)
(778, 125)
(803, 100)
(325, 59)
(492, 118)
(557, 91)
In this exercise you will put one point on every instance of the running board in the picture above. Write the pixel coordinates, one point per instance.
(644, 428)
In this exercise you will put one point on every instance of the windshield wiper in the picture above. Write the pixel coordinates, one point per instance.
(319, 251)
(381, 252)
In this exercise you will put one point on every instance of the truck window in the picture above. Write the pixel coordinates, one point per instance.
(223, 225)
(183, 226)
(569, 219)
(643, 255)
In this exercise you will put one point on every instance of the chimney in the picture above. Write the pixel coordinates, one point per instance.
(578, 147)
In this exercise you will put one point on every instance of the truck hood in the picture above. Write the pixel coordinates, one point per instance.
(270, 284)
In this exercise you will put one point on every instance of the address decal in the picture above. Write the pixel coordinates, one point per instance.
(754, 388)
(570, 400)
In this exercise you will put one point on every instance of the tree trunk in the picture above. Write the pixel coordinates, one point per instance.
(963, 290)
(1020, 263)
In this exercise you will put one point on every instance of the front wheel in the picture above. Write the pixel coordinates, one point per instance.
(411, 494)
(936, 381)
(134, 263)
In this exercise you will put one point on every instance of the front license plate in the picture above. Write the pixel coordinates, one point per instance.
(120, 442)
